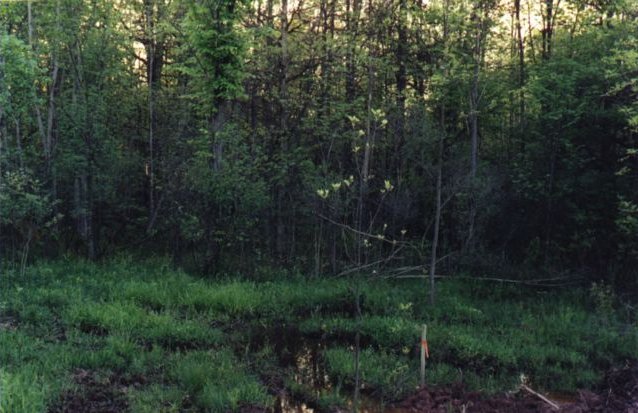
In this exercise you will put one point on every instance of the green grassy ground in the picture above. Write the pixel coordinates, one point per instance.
(175, 343)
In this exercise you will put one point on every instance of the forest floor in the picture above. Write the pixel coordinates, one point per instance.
(127, 336)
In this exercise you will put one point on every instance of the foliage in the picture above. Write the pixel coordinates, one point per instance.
(237, 138)
(23, 203)
(234, 135)
(217, 61)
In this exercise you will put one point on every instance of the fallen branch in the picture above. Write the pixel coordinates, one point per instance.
(402, 270)
(566, 281)
(540, 396)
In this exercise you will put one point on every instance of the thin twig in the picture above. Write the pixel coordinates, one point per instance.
(356, 231)
(372, 264)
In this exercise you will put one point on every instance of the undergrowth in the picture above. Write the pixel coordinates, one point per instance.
(198, 345)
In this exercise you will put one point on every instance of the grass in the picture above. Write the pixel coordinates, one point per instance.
(23, 391)
(216, 381)
(387, 374)
(188, 344)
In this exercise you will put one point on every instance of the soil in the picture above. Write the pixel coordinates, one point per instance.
(95, 394)
(619, 394)
(8, 322)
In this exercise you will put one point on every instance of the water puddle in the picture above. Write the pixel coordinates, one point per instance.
(303, 356)
(288, 405)
(285, 404)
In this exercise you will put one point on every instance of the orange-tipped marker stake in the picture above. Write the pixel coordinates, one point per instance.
(424, 344)
(425, 352)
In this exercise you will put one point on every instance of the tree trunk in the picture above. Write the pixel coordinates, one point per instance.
(401, 82)
(473, 121)
(352, 24)
(155, 61)
(521, 55)
(283, 125)
(439, 184)
(365, 167)
(19, 144)
(437, 213)
(44, 134)
(218, 123)
(550, 198)
(48, 142)
(548, 28)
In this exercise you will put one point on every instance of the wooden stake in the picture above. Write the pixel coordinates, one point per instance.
(424, 338)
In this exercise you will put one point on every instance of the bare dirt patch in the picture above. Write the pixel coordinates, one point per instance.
(95, 394)
(8, 322)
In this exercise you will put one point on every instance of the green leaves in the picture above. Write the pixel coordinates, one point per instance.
(19, 76)
(215, 52)
(22, 200)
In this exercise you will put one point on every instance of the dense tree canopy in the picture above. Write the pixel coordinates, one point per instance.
(494, 137)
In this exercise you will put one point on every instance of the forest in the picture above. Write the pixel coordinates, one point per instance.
(230, 205)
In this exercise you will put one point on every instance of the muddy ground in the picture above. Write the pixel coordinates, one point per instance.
(95, 394)
(619, 393)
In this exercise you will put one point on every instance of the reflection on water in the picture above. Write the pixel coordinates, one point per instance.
(305, 357)
(287, 404)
